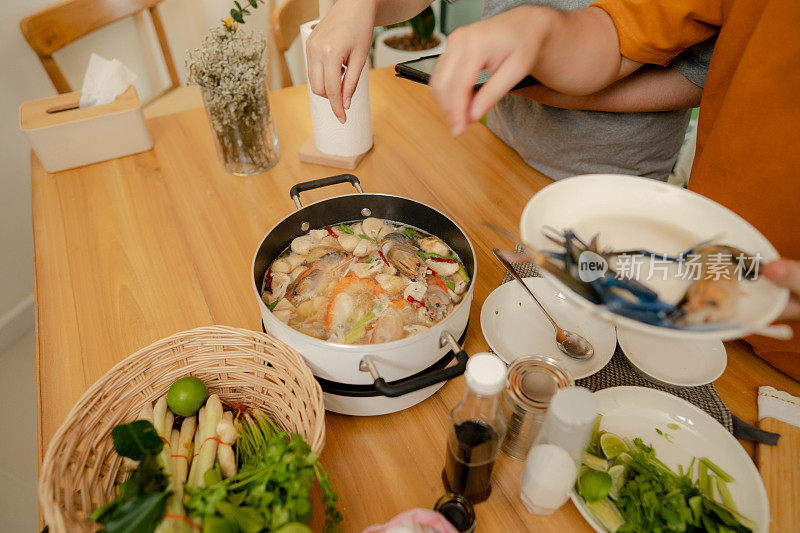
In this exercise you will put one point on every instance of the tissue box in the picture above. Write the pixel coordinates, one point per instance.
(66, 136)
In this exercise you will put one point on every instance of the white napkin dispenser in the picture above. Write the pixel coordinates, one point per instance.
(65, 136)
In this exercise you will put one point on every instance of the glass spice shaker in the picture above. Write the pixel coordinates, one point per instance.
(555, 457)
(477, 429)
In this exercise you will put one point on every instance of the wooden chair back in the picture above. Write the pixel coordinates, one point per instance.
(286, 21)
(57, 26)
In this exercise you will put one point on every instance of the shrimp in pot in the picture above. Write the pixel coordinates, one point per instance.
(401, 252)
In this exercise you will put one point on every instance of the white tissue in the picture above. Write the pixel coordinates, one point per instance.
(780, 405)
(104, 81)
(354, 137)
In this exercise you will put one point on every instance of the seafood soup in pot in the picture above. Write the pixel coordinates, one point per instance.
(364, 282)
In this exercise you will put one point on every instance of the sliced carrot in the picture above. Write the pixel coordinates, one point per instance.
(440, 283)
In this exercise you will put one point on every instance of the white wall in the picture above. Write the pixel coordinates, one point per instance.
(22, 78)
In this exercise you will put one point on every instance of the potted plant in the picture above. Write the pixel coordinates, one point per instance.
(231, 69)
(409, 40)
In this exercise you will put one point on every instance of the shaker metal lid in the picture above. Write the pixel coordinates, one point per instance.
(533, 380)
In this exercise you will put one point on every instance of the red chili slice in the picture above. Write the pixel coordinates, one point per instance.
(383, 257)
(442, 260)
(268, 280)
(433, 272)
(331, 233)
(414, 301)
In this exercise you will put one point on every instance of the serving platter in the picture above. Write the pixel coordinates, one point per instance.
(629, 212)
(640, 412)
(673, 362)
(514, 326)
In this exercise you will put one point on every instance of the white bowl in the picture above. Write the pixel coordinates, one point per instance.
(630, 212)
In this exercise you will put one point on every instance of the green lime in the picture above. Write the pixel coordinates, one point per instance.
(617, 473)
(595, 463)
(294, 527)
(186, 396)
(594, 485)
(612, 445)
(624, 458)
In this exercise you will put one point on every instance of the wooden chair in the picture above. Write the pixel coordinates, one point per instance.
(55, 27)
(286, 21)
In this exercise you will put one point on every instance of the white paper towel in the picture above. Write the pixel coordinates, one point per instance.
(331, 136)
(104, 81)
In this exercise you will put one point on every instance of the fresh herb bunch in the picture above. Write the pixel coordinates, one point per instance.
(272, 487)
(650, 497)
(142, 497)
(237, 16)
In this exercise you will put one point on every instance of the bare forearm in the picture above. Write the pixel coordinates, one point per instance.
(394, 11)
(579, 51)
(650, 89)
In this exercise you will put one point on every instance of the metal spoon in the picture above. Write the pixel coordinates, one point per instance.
(568, 342)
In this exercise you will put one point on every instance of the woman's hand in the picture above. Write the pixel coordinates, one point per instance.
(506, 45)
(786, 274)
(342, 38)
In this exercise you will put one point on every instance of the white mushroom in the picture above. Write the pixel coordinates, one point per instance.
(415, 289)
(302, 245)
(366, 270)
(432, 245)
(281, 265)
(280, 282)
(413, 329)
(372, 226)
(349, 242)
(391, 284)
(386, 229)
(364, 248)
(455, 298)
(318, 234)
(459, 285)
(332, 242)
(295, 260)
(296, 272)
(283, 310)
(443, 268)
(357, 228)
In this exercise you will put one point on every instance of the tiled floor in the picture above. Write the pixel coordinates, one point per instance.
(18, 507)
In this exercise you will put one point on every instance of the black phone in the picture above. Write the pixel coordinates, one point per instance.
(420, 70)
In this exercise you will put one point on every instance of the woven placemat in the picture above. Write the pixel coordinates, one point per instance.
(619, 372)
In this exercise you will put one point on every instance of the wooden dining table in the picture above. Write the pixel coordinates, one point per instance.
(134, 249)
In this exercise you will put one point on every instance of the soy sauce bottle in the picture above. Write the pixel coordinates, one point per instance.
(477, 429)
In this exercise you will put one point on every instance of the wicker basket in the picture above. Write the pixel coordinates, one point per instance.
(81, 468)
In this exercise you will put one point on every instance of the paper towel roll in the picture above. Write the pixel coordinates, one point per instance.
(354, 137)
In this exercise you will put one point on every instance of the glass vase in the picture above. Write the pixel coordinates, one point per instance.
(242, 128)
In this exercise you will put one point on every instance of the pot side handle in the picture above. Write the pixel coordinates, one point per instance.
(295, 191)
(392, 390)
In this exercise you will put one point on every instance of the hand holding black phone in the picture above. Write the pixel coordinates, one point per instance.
(420, 70)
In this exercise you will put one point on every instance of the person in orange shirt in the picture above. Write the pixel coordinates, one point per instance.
(748, 140)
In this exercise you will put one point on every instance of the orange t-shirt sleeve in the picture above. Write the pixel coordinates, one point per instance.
(655, 31)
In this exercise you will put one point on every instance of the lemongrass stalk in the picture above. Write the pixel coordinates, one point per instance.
(208, 446)
(227, 434)
(184, 451)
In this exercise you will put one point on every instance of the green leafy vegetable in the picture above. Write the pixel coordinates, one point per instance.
(136, 440)
(346, 229)
(650, 497)
(142, 497)
(271, 306)
(273, 484)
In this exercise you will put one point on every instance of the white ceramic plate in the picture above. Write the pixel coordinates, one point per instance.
(675, 362)
(514, 326)
(633, 213)
(638, 411)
